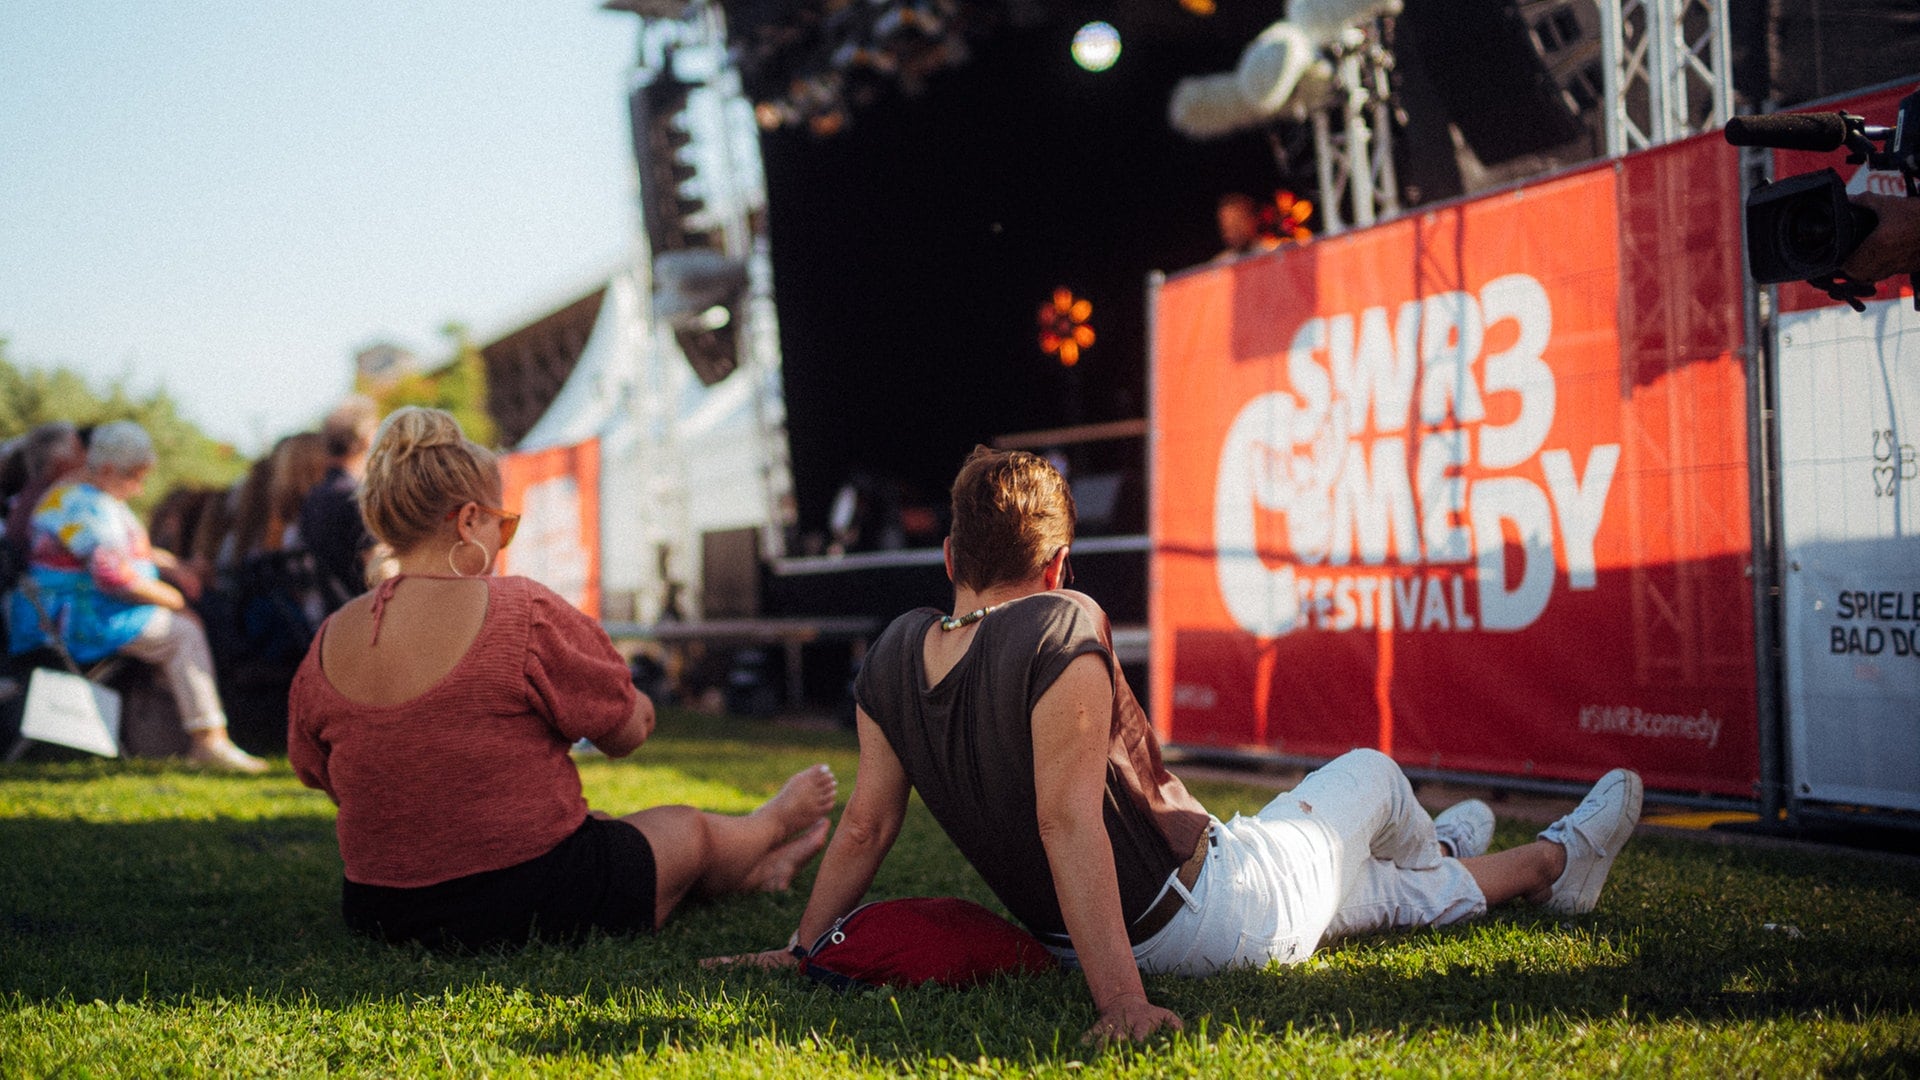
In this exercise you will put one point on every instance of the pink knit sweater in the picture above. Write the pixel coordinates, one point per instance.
(473, 774)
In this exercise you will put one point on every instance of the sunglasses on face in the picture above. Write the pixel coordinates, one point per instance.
(509, 522)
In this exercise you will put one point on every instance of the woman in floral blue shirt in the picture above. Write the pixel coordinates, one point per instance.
(106, 589)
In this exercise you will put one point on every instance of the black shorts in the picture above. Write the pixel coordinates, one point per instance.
(601, 876)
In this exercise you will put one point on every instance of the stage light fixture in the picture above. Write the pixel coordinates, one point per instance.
(1283, 72)
(1064, 332)
(1096, 46)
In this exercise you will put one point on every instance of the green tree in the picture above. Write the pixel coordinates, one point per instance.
(187, 456)
(458, 386)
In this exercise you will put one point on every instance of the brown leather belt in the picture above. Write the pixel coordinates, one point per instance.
(1156, 918)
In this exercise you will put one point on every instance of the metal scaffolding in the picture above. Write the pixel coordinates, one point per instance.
(1355, 164)
(1668, 70)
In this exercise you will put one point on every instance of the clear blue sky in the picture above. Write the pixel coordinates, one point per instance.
(229, 198)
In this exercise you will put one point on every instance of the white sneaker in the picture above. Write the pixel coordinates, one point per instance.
(1593, 834)
(1465, 827)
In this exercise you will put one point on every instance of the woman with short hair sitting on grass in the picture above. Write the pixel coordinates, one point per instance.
(1013, 721)
(438, 710)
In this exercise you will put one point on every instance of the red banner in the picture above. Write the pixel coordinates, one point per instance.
(1469, 487)
(557, 493)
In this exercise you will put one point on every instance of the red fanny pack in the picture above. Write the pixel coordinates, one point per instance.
(918, 940)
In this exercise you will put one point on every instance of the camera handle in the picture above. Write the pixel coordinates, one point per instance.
(1848, 291)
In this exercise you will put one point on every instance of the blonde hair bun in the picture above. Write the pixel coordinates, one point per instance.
(413, 428)
(422, 466)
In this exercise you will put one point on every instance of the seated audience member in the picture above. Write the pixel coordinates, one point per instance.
(211, 530)
(171, 523)
(303, 461)
(247, 506)
(1012, 720)
(267, 516)
(437, 711)
(108, 590)
(268, 602)
(281, 569)
(47, 455)
(330, 519)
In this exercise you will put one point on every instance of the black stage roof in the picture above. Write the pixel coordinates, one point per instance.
(913, 247)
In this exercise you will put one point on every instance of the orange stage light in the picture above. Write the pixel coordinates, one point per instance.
(1064, 332)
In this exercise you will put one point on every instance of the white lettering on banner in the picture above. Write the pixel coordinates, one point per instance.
(1495, 501)
(1443, 491)
(1519, 369)
(1578, 504)
(1380, 368)
(1631, 720)
(1297, 455)
(1449, 340)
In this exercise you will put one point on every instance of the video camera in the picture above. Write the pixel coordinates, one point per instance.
(1803, 228)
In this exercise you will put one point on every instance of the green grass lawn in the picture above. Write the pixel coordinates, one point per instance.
(159, 921)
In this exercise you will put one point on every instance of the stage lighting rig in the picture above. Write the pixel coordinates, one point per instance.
(1286, 72)
(1328, 61)
(818, 65)
(698, 287)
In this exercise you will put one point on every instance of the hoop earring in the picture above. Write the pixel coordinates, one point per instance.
(486, 562)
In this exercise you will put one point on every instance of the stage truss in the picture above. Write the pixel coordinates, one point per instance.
(1667, 74)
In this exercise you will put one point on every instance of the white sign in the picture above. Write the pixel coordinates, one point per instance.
(68, 710)
(1850, 509)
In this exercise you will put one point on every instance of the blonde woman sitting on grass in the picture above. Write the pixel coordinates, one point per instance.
(437, 712)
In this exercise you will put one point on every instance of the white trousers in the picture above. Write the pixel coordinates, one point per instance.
(1348, 851)
(178, 647)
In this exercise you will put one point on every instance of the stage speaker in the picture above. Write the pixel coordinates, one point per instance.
(1517, 76)
(730, 574)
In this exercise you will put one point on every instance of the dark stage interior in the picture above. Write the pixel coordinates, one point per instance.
(913, 250)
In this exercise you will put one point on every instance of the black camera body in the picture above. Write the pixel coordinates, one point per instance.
(1804, 228)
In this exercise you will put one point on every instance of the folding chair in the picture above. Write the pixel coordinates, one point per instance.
(96, 673)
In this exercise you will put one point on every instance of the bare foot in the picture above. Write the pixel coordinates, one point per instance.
(803, 799)
(774, 872)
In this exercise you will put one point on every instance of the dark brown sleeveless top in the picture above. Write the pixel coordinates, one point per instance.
(966, 744)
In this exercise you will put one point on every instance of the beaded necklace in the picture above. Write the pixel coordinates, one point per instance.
(955, 622)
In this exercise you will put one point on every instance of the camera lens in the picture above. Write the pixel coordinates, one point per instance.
(1806, 229)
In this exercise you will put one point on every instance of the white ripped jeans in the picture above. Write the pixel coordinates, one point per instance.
(1346, 852)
